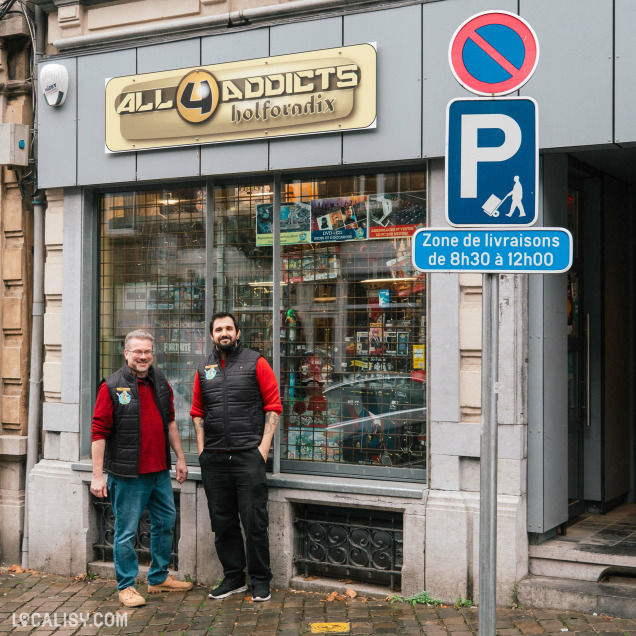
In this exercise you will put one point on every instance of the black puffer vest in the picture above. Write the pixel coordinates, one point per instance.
(123, 444)
(234, 415)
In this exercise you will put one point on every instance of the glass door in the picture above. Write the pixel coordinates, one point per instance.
(577, 363)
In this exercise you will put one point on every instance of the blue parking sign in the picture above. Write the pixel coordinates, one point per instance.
(492, 161)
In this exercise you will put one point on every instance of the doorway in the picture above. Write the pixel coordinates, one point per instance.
(600, 342)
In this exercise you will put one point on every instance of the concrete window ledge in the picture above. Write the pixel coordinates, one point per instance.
(347, 485)
(313, 482)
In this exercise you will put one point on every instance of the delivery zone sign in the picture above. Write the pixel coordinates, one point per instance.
(545, 250)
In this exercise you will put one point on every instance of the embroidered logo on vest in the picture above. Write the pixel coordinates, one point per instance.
(210, 371)
(123, 394)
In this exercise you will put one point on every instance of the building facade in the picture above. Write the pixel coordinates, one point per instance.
(305, 233)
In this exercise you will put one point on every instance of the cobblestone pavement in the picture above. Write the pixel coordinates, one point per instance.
(34, 603)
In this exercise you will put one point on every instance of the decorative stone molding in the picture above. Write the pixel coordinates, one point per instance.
(69, 16)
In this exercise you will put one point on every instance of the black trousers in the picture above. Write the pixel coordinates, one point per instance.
(236, 487)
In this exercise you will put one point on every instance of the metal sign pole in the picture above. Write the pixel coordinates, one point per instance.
(488, 457)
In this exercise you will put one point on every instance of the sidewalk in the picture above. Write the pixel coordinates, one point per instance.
(34, 603)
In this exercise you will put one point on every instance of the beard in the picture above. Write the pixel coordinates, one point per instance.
(226, 346)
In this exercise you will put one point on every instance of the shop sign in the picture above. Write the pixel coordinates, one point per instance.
(330, 90)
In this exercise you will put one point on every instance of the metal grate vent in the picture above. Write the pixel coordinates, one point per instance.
(365, 545)
(103, 548)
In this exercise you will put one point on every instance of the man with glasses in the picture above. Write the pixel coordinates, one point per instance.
(235, 409)
(133, 429)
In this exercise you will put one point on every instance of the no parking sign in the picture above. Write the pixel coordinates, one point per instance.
(493, 53)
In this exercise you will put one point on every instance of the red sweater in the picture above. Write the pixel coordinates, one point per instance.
(152, 452)
(266, 383)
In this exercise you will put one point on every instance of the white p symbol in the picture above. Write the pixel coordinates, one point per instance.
(472, 155)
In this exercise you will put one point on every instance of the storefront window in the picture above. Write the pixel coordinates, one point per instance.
(352, 312)
(353, 325)
(152, 277)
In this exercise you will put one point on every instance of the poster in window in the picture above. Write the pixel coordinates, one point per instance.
(375, 339)
(407, 280)
(319, 266)
(403, 343)
(339, 219)
(395, 215)
(419, 358)
(295, 223)
(293, 268)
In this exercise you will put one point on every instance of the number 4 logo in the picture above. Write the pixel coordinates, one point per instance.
(197, 96)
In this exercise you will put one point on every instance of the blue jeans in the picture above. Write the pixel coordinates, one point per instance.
(129, 496)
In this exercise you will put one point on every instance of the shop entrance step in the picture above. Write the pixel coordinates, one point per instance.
(580, 596)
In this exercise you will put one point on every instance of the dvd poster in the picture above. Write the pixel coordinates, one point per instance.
(295, 223)
(339, 219)
(395, 215)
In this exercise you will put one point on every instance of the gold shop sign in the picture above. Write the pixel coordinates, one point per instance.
(316, 92)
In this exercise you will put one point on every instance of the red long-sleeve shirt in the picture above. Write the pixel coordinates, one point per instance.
(266, 383)
(152, 451)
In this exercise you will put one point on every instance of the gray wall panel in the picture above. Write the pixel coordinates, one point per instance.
(172, 55)
(72, 290)
(547, 368)
(57, 157)
(251, 156)
(311, 150)
(625, 71)
(444, 300)
(573, 80)
(94, 165)
(233, 47)
(398, 34)
(305, 36)
(177, 162)
(439, 86)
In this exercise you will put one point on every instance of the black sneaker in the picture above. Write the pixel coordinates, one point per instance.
(260, 592)
(228, 587)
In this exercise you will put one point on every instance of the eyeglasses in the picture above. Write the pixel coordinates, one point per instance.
(138, 352)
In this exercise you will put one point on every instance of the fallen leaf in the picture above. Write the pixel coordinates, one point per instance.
(309, 577)
(348, 581)
(351, 593)
(334, 596)
(16, 569)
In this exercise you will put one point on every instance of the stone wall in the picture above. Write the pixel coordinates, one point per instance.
(16, 268)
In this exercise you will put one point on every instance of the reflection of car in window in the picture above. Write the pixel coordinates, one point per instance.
(382, 420)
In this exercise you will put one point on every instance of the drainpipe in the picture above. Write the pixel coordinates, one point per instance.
(37, 312)
(35, 382)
